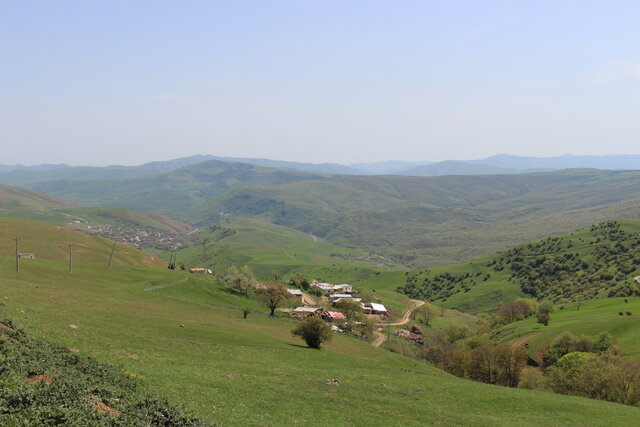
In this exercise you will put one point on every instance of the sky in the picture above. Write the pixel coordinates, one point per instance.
(126, 82)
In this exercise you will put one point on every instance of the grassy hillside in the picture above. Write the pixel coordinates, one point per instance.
(172, 193)
(50, 244)
(266, 247)
(182, 336)
(584, 318)
(46, 384)
(416, 220)
(599, 261)
(426, 221)
(20, 200)
(20, 203)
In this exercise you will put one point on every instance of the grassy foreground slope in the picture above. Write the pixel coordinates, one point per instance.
(185, 338)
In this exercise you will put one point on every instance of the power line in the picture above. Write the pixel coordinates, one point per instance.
(17, 257)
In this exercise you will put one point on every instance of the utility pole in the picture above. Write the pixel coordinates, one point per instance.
(70, 258)
(111, 256)
(17, 257)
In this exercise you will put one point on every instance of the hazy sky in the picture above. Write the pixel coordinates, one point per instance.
(125, 82)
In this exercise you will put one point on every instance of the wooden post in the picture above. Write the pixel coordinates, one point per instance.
(17, 257)
(111, 256)
(70, 258)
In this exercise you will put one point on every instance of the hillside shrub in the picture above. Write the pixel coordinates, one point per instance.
(45, 384)
(314, 331)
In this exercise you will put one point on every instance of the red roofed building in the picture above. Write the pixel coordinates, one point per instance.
(330, 316)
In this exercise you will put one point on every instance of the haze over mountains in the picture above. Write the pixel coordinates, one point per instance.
(499, 164)
(416, 220)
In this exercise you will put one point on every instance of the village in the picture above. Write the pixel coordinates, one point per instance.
(138, 238)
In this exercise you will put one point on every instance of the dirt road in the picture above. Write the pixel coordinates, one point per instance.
(306, 299)
(381, 337)
(407, 314)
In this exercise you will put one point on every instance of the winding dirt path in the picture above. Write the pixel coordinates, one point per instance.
(406, 315)
(524, 340)
(381, 337)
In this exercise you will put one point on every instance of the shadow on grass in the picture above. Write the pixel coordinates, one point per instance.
(302, 346)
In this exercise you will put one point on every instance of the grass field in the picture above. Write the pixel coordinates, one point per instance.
(585, 318)
(182, 335)
(265, 247)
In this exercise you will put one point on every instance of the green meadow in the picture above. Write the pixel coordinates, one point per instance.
(185, 338)
(584, 318)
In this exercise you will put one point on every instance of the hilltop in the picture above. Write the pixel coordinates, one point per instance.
(172, 193)
(266, 247)
(597, 262)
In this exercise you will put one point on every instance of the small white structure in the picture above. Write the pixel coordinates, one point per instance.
(374, 308)
(295, 292)
(27, 255)
(344, 288)
(340, 296)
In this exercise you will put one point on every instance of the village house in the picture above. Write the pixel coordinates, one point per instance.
(200, 271)
(374, 308)
(304, 312)
(335, 297)
(295, 292)
(410, 336)
(332, 316)
(344, 288)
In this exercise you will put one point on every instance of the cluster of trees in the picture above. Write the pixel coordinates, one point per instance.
(425, 285)
(551, 269)
(557, 269)
(522, 308)
(586, 366)
(476, 358)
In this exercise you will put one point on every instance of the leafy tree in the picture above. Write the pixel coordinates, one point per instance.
(314, 331)
(351, 309)
(274, 295)
(603, 342)
(300, 282)
(245, 312)
(239, 280)
(543, 318)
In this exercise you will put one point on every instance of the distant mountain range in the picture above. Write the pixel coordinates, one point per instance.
(501, 164)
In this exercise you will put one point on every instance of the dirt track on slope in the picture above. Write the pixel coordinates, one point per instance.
(381, 338)
(406, 315)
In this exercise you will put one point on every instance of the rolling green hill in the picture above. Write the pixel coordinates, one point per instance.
(618, 316)
(265, 247)
(184, 337)
(426, 221)
(50, 243)
(417, 221)
(172, 193)
(596, 262)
